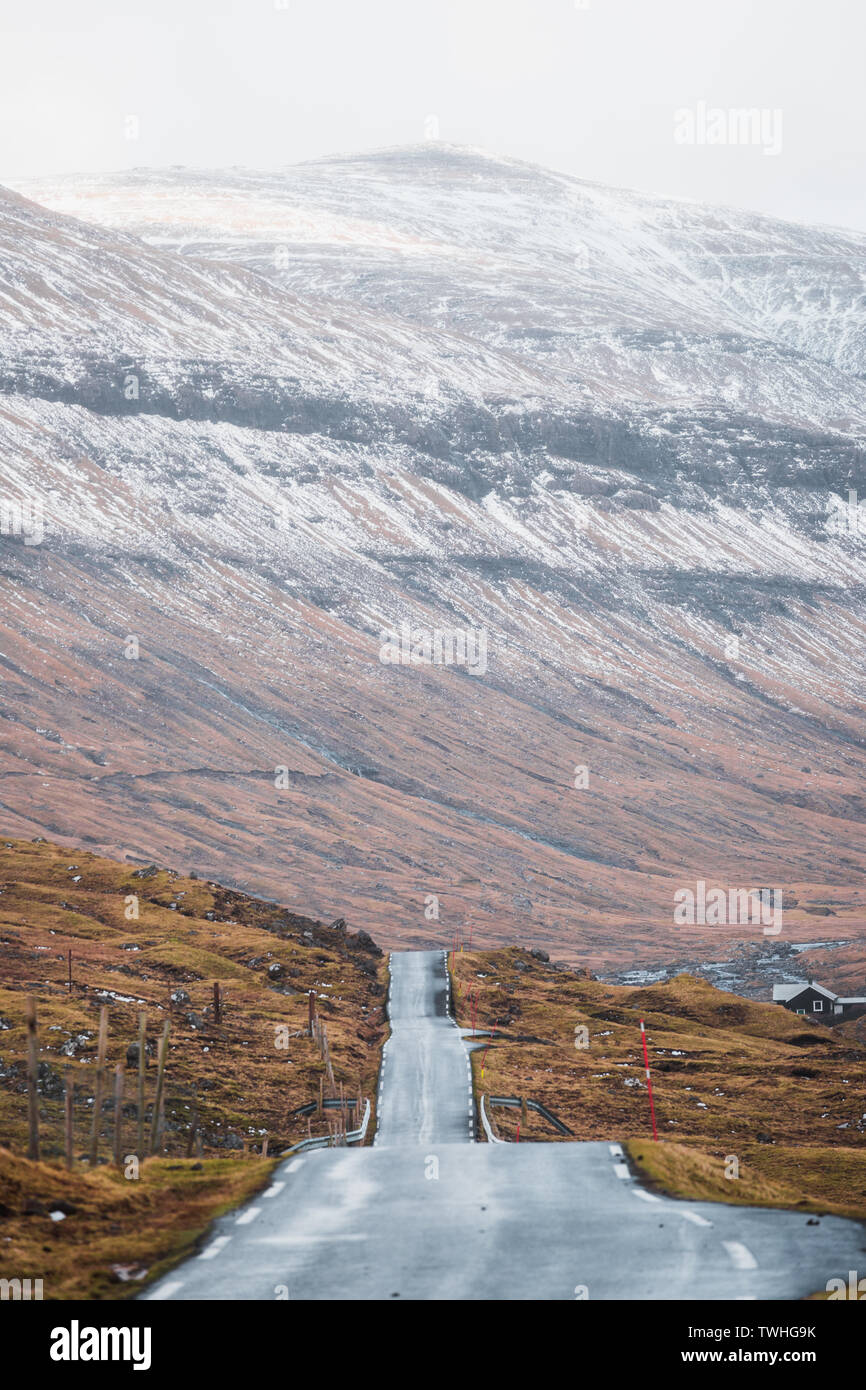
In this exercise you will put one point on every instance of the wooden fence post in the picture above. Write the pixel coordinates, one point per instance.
(193, 1125)
(142, 1067)
(69, 963)
(160, 1081)
(32, 1081)
(97, 1098)
(68, 1098)
(118, 1113)
(216, 1003)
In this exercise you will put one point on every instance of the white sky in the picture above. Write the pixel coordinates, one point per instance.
(593, 92)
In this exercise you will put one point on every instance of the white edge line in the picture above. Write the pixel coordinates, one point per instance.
(214, 1248)
(247, 1216)
(696, 1218)
(740, 1255)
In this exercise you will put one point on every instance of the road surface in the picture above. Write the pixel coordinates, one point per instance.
(427, 1213)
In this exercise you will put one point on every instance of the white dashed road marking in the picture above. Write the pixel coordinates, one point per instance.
(274, 1189)
(615, 1151)
(214, 1248)
(621, 1170)
(741, 1255)
(247, 1216)
(696, 1218)
(165, 1291)
(645, 1196)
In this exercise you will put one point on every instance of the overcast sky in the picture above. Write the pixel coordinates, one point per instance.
(592, 91)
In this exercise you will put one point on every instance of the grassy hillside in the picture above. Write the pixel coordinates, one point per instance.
(228, 1084)
(730, 1078)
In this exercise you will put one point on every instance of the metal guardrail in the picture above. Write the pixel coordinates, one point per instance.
(328, 1141)
(329, 1104)
(515, 1102)
(491, 1137)
(357, 1136)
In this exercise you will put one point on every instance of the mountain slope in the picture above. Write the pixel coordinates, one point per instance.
(431, 408)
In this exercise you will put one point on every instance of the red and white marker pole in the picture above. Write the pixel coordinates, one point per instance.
(648, 1079)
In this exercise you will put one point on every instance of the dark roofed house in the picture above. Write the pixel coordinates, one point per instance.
(820, 1004)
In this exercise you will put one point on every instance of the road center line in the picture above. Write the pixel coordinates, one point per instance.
(274, 1189)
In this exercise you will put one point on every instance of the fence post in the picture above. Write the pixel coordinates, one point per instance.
(97, 1098)
(32, 1081)
(193, 1125)
(118, 1113)
(216, 1002)
(142, 1067)
(160, 1080)
(69, 1093)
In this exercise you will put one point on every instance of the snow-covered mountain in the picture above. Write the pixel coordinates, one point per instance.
(271, 415)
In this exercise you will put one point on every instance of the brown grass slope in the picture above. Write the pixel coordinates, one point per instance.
(242, 1076)
(731, 1078)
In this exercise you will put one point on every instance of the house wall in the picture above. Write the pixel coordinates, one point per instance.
(808, 999)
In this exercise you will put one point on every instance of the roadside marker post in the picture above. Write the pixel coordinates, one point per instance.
(648, 1079)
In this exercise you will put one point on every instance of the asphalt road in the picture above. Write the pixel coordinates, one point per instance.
(427, 1213)
(425, 1085)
